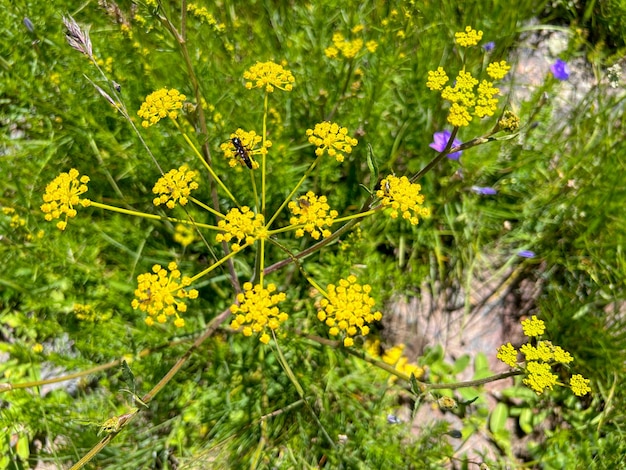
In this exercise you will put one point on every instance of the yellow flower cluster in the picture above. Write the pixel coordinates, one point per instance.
(87, 313)
(243, 225)
(394, 357)
(269, 75)
(203, 13)
(328, 136)
(437, 79)
(314, 212)
(403, 197)
(539, 360)
(469, 37)
(175, 186)
(248, 140)
(257, 309)
(16, 221)
(161, 104)
(157, 294)
(349, 49)
(533, 326)
(63, 195)
(467, 101)
(347, 308)
(497, 70)
(509, 122)
(184, 234)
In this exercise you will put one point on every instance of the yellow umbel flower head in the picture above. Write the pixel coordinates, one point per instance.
(403, 197)
(63, 195)
(269, 75)
(241, 148)
(469, 37)
(330, 138)
(347, 309)
(175, 186)
(314, 212)
(243, 225)
(256, 310)
(161, 104)
(161, 295)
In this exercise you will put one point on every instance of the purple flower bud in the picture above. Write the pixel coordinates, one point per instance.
(489, 46)
(560, 70)
(29, 24)
(484, 191)
(526, 254)
(440, 140)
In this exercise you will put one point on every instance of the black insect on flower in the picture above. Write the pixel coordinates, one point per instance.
(242, 151)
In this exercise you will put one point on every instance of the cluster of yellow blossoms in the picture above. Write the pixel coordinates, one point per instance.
(157, 294)
(394, 356)
(467, 100)
(257, 309)
(349, 49)
(160, 104)
(243, 225)
(175, 186)
(314, 212)
(539, 360)
(62, 196)
(329, 137)
(269, 75)
(347, 308)
(248, 141)
(403, 197)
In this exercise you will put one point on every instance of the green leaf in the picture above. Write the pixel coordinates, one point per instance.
(373, 166)
(498, 418)
(526, 418)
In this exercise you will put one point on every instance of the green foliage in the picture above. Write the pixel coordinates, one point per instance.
(236, 402)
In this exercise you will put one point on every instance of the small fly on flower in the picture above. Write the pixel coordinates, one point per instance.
(304, 203)
(242, 151)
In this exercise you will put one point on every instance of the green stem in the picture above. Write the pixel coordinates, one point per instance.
(150, 216)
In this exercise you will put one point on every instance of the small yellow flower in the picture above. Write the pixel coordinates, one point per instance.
(561, 355)
(269, 75)
(314, 212)
(497, 70)
(509, 122)
(175, 186)
(349, 49)
(330, 138)
(469, 37)
(486, 104)
(507, 354)
(437, 79)
(257, 310)
(371, 46)
(248, 140)
(533, 326)
(331, 52)
(37, 348)
(347, 308)
(540, 377)
(243, 225)
(161, 295)
(579, 385)
(161, 104)
(184, 234)
(403, 197)
(63, 195)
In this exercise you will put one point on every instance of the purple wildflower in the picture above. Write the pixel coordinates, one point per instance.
(484, 191)
(489, 46)
(440, 140)
(560, 70)
(526, 254)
